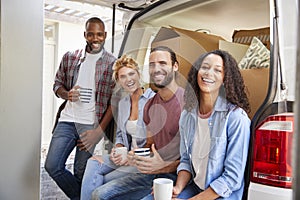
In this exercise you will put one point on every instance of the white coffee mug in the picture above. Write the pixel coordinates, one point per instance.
(123, 151)
(163, 188)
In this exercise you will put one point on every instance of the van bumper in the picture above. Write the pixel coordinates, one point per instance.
(259, 191)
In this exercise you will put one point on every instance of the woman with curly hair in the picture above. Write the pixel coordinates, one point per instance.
(214, 129)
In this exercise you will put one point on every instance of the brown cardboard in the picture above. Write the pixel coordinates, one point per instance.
(237, 50)
(256, 82)
(188, 46)
(245, 36)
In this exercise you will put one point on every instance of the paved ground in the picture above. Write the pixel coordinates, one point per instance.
(49, 189)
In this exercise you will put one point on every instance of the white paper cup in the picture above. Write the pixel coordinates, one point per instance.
(142, 152)
(163, 188)
(123, 151)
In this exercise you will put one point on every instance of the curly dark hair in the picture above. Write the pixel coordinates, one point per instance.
(233, 82)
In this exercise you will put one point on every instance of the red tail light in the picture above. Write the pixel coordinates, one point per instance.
(272, 155)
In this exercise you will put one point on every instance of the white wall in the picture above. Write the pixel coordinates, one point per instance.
(21, 64)
(69, 37)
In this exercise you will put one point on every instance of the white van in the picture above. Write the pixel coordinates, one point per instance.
(191, 27)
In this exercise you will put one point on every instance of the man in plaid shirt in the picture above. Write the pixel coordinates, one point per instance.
(84, 81)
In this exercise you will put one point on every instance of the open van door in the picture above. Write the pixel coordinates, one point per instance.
(192, 27)
(296, 155)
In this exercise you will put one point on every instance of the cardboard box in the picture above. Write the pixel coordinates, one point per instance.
(245, 36)
(256, 82)
(237, 50)
(188, 46)
(256, 79)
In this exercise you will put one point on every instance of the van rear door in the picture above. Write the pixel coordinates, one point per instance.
(272, 128)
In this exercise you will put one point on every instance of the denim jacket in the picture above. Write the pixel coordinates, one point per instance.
(230, 133)
(123, 115)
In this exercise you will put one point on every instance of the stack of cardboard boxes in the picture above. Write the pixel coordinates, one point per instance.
(189, 45)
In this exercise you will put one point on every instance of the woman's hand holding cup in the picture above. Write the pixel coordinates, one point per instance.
(119, 156)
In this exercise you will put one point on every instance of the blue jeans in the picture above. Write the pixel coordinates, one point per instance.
(97, 174)
(133, 186)
(189, 191)
(64, 140)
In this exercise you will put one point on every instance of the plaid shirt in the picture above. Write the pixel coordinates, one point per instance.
(67, 75)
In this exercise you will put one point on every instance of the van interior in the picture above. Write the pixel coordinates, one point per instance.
(194, 27)
(247, 31)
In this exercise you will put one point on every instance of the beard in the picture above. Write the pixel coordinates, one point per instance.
(168, 79)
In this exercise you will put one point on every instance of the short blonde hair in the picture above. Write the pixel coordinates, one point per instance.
(124, 61)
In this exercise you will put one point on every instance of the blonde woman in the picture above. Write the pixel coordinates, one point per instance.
(130, 131)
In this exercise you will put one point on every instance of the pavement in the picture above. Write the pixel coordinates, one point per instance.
(48, 188)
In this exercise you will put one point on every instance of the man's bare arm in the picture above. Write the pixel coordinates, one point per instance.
(91, 137)
(170, 168)
(72, 95)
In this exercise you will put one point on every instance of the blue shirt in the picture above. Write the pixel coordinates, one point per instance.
(123, 116)
(229, 128)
